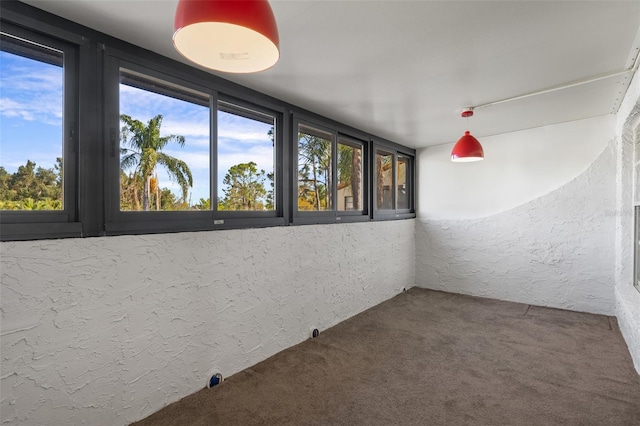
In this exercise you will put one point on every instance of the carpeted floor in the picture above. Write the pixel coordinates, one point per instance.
(434, 358)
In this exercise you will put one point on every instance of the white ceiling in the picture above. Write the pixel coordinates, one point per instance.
(403, 70)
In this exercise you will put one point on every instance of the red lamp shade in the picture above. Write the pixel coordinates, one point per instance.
(467, 149)
(237, 36)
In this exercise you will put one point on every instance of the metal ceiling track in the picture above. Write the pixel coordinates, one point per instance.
(630, 70)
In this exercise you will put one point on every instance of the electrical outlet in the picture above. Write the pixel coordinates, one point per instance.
(214, 380)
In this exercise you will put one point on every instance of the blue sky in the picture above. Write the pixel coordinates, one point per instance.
(240, 140)
(31, 125)
(30, 112)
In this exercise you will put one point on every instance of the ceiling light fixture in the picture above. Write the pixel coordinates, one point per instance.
(467, 148)
(238, 36)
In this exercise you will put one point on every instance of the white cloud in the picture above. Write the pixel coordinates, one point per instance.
(178, 117)
(191, 142)
(12, 109)
(195, 160)
(262, 157)
(233, 128)
(144, 105)
(32, 90)
(240, 139)
(231, 135)
(191, 120)
(197, 129)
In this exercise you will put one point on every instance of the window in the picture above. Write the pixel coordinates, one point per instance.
(330, 175)
(38, 135)
(164, 146)
(315, 169)
(402, 194)
(246, 159)
(32, 79)
(186, 157)
(99, 137)
(393, 188)
(384, 181)
(350, 178)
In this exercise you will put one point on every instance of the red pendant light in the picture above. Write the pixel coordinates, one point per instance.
(467, 148)
(237, 36)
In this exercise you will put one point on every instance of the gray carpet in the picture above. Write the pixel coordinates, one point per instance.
(434, 358)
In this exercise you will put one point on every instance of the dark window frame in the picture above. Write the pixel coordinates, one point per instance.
(93, 214)
(332, 215)
(395, 151)
(20, 224)
(409, 182)
(117, 221)
(136, 222)
(253, 111)
(356, 143)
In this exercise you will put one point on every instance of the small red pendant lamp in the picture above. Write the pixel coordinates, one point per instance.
(467, 148)
(238, 36)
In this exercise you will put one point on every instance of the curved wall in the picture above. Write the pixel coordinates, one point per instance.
(518, 167)
(556, 250)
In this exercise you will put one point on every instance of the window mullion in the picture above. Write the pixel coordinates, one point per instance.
(70, 135)
(213, 153)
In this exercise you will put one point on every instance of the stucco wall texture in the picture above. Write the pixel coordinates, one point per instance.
(108, 330)
(556, 250)
(627, 297)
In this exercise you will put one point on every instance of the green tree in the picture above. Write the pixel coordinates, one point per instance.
(58, 168)
(168, 200)
(314, 171)
(130, 188)
(270, 193)
(5, 180)
(31, 187)
(23, 181)
(245, 187)
(46, 184)
(384, 167)
(350, 170)
(203, 204)
(141, 150)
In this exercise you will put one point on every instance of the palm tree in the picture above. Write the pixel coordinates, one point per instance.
(350, 170)
(144, 153)
(315, 152)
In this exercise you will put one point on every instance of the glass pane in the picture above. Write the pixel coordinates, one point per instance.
(349, 177)
(246, 155)
(384, 181)
(402, 201)
(314, 169)
(31, 139)
(164, 146)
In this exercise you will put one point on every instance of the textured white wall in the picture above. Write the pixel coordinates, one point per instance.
(108, 330)
(518, 167)
(628, 314)
(627, 297)
(556, 250)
